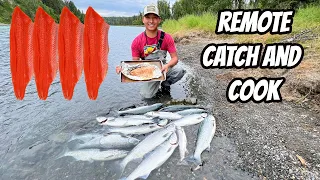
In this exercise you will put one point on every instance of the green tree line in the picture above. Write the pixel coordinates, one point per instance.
(179, 9)
(133, 20)
(184, 7)
(52, 7)
(197, 7)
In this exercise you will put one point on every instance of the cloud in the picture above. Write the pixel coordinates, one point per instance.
(115, 8)
(108, 13)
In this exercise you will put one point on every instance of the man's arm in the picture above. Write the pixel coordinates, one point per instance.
(174, 59)
(135, 58)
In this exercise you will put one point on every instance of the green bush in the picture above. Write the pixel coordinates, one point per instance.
(306, 18)
(52, 7)
(205, 22)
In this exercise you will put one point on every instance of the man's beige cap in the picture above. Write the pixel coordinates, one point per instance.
(151, 9)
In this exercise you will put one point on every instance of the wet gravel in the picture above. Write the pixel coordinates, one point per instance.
(266, 138)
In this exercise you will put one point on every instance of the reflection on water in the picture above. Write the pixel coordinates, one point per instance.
(35, 132)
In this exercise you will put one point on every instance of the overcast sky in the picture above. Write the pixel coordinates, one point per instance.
(115, 7)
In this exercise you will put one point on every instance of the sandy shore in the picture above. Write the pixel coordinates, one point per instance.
(270, 141)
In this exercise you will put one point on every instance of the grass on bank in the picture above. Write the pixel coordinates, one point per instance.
(303, 82)
(205, 23)
(305, 19)
(308, 17)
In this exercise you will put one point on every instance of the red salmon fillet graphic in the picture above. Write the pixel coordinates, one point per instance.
(96, 51)
(70, 51)
(45, 52)
(21, 55)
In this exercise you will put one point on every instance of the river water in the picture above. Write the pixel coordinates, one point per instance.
(34, 132)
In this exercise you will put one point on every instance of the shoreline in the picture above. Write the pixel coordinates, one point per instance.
(268, 137)
(302, 82)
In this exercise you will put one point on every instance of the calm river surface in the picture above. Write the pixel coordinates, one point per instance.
(33, 133)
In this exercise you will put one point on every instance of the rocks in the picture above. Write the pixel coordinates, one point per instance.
(186, 38)
(302, 36)
(267, 136)
(185, 41)
(186, 101)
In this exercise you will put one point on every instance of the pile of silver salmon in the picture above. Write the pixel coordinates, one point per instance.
(163, 127)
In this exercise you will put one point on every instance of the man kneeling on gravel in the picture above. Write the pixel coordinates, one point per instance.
(153, 44)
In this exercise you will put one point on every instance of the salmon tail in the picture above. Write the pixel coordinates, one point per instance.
(70, 51)
(183, 163)
(72, 137)
(45, 51)
(118, 168)
(194, 159)
(21, 57)
(63, 152)
(96, 49)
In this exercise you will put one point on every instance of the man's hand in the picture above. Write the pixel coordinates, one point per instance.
(118, 69)
(165, 68)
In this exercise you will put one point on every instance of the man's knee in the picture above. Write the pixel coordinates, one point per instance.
(148, 90)
(181, 72)
(176, 74)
